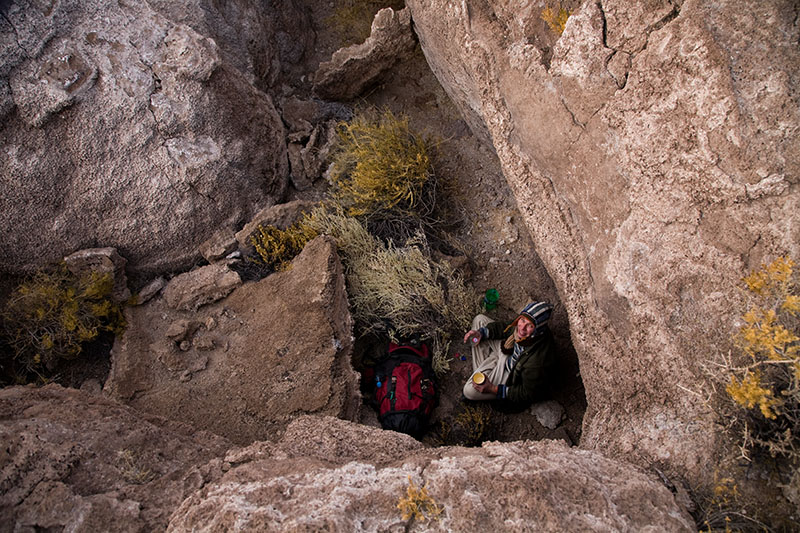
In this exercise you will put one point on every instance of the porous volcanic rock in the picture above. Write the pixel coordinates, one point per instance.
(653, 150)
(124, 127)
(244, 366)
(74, 461)
(343, 485)
(353, 68)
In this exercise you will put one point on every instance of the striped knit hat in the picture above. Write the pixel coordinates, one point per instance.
(537, 312)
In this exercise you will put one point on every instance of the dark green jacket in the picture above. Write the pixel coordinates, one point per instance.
(529, 379)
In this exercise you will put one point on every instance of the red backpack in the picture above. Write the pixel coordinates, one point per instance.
(405, 389)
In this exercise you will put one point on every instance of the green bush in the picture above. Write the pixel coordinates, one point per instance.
(51, 317)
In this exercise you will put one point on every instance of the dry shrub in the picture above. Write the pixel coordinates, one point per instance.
(556, 19)
(469, 427)
(418, 504)
(725, 510)
(380, 166)
(276, 247)
(52, 316)
(764, 378)
(131, 468)
(399, 291)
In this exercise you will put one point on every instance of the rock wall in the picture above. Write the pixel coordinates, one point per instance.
(654, 152)
(245, 365)
(134, 125)
(353, 482)
(79, 462)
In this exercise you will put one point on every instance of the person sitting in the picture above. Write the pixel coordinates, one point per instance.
(514, 367)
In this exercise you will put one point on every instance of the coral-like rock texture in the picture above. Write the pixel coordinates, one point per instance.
(351, 483)
(653, 149)
(133, 125)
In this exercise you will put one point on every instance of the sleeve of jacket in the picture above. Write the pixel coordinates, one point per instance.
(496, 330)
(532, 383)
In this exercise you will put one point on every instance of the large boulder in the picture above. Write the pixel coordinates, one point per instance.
(346, 478)
(124, 126)
(244, 366)
(72, 461)
(654, 151)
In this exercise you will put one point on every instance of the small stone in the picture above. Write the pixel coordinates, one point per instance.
(204, 343)
(220, 244)
(185, 345)
(211, 323)
(178, 330)
(150, 290)
(201, 286)
(549, 413)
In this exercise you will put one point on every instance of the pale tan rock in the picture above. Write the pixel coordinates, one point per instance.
(150, 290)
(352, 69)
(281, 347)
(219, 245)
(334, 475)
(81, 462)
(137, 125)
(649, 190)
(201, 286)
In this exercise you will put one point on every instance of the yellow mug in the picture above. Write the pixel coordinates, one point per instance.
(478, 378)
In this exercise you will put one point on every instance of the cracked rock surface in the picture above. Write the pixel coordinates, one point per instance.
(142, 126)
(352, 484)
(80, 462)
(653, 151)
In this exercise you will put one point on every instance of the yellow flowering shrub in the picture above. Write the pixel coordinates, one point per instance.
(765, 381)
(556, 19)
(750, 393)
(52, 316)
(276, 247)
(418, 504)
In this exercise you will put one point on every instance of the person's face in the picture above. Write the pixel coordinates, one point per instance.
(525, 328)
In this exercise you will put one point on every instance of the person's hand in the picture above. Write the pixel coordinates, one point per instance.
(486, 387)
(473, 333)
